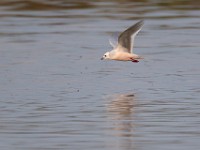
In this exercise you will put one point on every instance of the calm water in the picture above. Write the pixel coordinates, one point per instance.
(56, 93)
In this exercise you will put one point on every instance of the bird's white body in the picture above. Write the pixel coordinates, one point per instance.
(121, 54)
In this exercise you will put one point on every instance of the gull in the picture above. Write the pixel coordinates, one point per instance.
(123, 48)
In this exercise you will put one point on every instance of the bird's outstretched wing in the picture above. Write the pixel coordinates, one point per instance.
(126, 38)
(113, 40)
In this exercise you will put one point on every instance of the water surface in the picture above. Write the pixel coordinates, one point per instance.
(56, 93)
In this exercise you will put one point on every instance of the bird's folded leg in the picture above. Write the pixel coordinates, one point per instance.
(134, 60)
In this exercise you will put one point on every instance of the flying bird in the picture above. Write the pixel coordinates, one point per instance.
(123, 47)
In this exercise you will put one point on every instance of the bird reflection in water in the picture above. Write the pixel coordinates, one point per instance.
(120, 109)
(122, 104)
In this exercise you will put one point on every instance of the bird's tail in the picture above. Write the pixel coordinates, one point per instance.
(140, 57)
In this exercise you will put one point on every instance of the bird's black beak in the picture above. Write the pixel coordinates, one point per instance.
(102, 58)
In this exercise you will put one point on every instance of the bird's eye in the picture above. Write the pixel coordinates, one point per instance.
(104, 55)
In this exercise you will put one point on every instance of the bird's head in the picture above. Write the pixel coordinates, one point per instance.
(106, 56)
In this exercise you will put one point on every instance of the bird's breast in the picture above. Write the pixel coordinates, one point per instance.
(123, 56)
